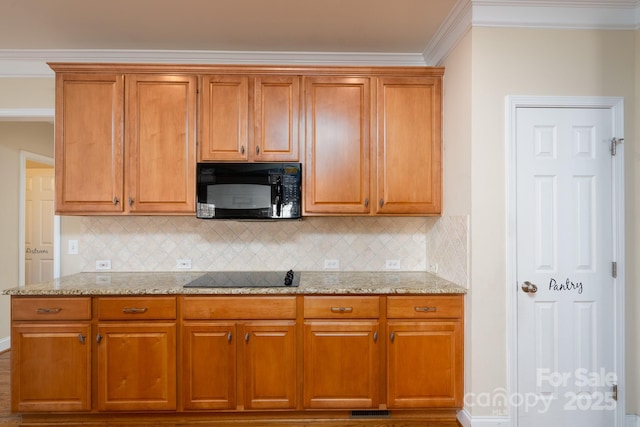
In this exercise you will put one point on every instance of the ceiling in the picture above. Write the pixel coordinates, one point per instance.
(323, 32)
(374, 26)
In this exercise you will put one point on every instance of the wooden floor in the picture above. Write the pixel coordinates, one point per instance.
(6, 419)
(9, 420)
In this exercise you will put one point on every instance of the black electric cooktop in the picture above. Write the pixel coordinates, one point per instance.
(246, 279)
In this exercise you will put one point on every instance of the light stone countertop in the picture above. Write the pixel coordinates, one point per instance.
(311, 282)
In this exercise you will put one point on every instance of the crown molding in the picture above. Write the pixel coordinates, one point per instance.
(563, 14)
(543, 14)
(33, 63)
(449, 34)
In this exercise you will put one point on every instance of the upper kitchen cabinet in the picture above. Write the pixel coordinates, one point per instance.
(126, 134)
(337, 173)
(89, 143)
(134, 160)
(250, 118)
(409, 147)
(160, 143)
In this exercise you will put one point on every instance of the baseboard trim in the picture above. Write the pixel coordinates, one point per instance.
(5, 344)
(468, 421)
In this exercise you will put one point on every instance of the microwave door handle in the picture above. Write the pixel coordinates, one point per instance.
(278, 197)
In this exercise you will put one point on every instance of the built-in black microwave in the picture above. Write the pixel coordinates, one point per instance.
(249, 190)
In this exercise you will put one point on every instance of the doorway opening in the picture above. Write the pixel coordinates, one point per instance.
(39, 239)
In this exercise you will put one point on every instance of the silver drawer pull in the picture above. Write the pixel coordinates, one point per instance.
(48, 310)
(341, 309)
(133, 310)
(426, 309)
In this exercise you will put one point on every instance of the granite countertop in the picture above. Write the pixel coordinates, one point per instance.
(311, 282)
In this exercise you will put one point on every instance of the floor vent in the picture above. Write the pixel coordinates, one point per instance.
(370, 414)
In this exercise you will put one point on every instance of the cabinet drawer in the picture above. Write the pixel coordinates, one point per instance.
(136, 308)
(424, 307)
(239, 307)
(51, 308)
(341, 307)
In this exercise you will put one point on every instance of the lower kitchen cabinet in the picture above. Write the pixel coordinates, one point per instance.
(136, 367)
(421, 370)
(270, 365)
(341, 352)
(193, 356)
(51, 367)
(244, 360)
(136, 353)
(50, 354)
(209, 365)
(424, 352)
(341, 364)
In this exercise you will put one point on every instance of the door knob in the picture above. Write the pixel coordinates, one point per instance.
(529, 287)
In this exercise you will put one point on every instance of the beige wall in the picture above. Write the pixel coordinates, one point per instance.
(27, 93)
(456, 130)
(456, 135)
(15, 136)
(532, 62)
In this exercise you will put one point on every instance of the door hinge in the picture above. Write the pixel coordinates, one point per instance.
(614, 142)
(615, 392)
(614, 269)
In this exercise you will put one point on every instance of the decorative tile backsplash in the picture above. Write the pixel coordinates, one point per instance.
(358, 243)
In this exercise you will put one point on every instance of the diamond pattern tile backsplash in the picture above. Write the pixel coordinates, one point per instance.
(359, 243)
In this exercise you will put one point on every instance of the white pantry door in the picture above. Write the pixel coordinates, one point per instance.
(38, 235)
(566, 327)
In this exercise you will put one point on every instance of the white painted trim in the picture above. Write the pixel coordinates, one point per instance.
(633, 420)
(464, 417)
(452, 30)
(5, 344)
(616, 105)
(33, 62)
(27, 114)
(469, 421)
(598, 15)
(24, 156)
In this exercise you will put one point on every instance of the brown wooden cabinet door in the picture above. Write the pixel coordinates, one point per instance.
(337, 138)
(425, 364)
(209, 365)
(89, 143)
(136, 366)
(225, 118)
(276, 118)
(270, 365)
(51, 367)
(409, 145)
(341, 364)
(160, 143)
